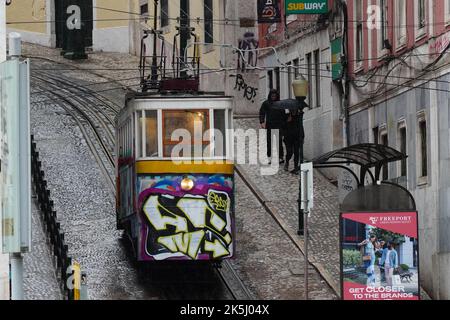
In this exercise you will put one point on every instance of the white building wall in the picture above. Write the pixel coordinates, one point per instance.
(323, 127)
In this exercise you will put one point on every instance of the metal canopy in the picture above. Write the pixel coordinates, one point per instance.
(367, 156)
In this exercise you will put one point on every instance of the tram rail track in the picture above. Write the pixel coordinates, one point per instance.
(82, 119)
(93, 127)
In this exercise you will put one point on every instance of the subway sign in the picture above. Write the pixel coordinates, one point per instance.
(306, 6)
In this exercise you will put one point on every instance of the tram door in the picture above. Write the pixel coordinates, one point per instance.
(61, 16)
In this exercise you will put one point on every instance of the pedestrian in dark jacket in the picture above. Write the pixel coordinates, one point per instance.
(271, 118)
(294, 137)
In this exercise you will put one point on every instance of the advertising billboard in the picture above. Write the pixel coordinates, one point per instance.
(269, 11)
(379, 256)
(306, 6)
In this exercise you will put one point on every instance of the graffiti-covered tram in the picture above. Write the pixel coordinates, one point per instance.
(175, 176)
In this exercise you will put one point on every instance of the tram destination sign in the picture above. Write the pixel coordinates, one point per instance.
(306, 6)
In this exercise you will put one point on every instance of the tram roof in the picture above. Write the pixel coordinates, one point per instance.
(175, 95)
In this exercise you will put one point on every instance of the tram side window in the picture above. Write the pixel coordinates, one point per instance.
(151, 133)
(219, 133)
(185, 144)
(139, 134)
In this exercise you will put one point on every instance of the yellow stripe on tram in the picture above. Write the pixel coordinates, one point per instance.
(211, 167)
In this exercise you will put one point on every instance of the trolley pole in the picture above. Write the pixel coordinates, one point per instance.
(184, 34)
(155, 59)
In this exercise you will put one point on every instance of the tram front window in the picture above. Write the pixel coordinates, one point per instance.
(151, 133)
(219, 134)
(191, 139)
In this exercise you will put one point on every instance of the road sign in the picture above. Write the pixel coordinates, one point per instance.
(307, 196)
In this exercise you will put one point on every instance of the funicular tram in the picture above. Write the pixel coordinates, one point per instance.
(174, 168)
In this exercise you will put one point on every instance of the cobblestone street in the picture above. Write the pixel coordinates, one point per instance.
(267, 261)
(281, 192)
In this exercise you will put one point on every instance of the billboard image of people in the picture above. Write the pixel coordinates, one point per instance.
(379, 256)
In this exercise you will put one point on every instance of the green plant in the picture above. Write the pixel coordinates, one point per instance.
(351, 257)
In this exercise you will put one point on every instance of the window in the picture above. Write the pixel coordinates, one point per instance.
(151, 133)
(420, 18)
(402, 147)
(421, 13)
(208, 16)
(423, 156)
(384, 23)
(219, 139)
(317, 75)
(277, 79)
(289, 79)
(188, 120)
(139, 135)
(375, 135)
(309, 64)
(295, 63)
(447, 11)
(164, 13)
(359, 31)
(400, 22)
(144, 9)
(270, 79)
(384, 141)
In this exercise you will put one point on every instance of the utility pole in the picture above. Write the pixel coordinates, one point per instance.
(184, 33)
(155, 58)
(4, 261)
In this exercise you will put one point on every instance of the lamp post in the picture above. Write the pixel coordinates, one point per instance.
(300, 88)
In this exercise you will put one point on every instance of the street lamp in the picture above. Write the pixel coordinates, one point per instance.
(301, 89)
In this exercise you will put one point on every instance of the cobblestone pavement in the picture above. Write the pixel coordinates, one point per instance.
(40, 281)
(281, 191)
(84, 204)
(266, 260)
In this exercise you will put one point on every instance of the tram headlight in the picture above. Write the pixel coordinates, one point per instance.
(187, 184)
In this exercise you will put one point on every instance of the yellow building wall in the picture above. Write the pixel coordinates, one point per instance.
(109, 18)
(27, 11)
(210, 55)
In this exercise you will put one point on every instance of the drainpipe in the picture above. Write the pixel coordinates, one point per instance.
(346, 102)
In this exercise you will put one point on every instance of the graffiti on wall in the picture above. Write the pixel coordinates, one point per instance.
(249, 91)
(193, 226)
(248, 55)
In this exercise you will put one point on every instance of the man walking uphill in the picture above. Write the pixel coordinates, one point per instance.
(294, 136)
(271, 118)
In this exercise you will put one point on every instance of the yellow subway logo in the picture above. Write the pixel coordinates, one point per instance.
(297, 7)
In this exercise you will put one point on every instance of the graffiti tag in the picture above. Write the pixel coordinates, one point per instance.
(189, 226)
(249, 92)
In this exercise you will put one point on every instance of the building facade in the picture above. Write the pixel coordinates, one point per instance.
(399, 96)
(220, 27)
(40, 22)
(301, 47)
